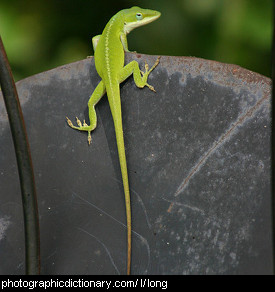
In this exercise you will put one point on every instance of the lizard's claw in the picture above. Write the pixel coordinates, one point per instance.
(146, 66)
(69, 122)
(78, 122)
(89, 138)
(155, 65)
(151, 87)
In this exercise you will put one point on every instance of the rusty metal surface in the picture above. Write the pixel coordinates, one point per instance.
(198, 155)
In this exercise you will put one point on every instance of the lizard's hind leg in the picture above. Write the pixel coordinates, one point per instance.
(94, 99)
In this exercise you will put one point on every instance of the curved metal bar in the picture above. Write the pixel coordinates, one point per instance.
(24, 163)
(273, 137)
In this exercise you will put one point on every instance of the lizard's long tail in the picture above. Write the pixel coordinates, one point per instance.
(116, 113)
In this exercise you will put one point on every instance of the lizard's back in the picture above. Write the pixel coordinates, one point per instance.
(109, 54)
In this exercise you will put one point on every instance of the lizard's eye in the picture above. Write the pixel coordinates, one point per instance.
(139, 16)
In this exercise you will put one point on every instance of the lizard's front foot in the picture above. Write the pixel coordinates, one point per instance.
(81, 127)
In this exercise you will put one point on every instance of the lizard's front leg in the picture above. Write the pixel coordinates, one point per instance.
(94, 99)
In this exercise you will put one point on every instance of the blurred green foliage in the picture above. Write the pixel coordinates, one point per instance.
(40, 35)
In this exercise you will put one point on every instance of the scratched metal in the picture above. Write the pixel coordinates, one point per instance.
(198, 155)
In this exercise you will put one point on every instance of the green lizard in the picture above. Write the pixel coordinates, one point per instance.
(109, 50)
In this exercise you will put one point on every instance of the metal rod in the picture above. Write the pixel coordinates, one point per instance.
(273, 139)
(24, 164)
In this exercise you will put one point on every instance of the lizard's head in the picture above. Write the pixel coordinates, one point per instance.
(136, 16)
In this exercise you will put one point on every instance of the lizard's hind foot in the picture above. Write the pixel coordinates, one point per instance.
(81, 127)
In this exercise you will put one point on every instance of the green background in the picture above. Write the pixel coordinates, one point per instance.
(42, 34)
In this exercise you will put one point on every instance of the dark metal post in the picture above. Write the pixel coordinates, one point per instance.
(273, 138)
(24, 163)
